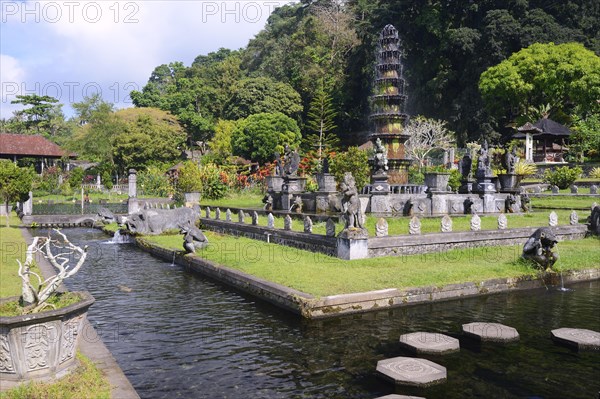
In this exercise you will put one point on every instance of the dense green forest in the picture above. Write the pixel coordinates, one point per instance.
(448, 45)
(311, 69)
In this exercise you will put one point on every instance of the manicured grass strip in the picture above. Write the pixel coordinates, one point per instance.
(12, 247)
(236, 200)
(565, 202)
(85, 382)
(322, 275)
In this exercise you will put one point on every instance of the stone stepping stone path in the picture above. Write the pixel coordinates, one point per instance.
(394, 396)
(411, 371)
(578, 338)
(429, 343)
(493, 332)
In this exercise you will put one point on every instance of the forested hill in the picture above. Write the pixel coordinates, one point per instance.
(325, 50)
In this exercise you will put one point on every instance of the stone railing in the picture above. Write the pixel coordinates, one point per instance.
(246, 225)
(398, 189)
(416, 243)
(116, 188)
(75, 208)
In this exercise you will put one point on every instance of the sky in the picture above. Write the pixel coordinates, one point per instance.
(72, 49)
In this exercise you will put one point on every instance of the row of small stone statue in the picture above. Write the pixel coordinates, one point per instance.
(575, 189)
(414, 226)
(381, 228)
(287, 220)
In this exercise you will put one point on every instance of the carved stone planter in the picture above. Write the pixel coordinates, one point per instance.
(192, 198)
(274, 183)
(326, 182)
(42, 346)
(508, 182)
(437, 182)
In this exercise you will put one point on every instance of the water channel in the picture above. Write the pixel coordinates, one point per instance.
(180, 335)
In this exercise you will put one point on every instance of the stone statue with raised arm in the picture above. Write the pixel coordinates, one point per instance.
(381, 160)
(351, 202)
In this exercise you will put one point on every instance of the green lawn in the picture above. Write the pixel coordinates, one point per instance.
(85, 382)
(236, 200)
(321, 275)
(564, 202)
(12, 247)
(582, 180)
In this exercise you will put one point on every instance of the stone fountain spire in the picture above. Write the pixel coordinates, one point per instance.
(388, 104)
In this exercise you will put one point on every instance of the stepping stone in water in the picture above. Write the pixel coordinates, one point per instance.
(578, 338)
(493, 332)
(411, 371)
(394, 396)
(429, 343)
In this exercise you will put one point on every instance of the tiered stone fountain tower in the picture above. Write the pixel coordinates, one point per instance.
(388, 105)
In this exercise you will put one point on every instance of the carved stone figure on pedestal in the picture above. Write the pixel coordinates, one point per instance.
(291, 160)
(525, 202)
(193, 238)
(483, 162)
(538, 248)
(297, 205)
(510, 161)
(594, 220)
(465, 167)
(351, 202)
(381, 161)
(509, 203)
(414, 227)
(278, 165)
(268, 201)
(468, 204)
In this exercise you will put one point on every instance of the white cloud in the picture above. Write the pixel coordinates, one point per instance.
(12, 76)
(74, 48)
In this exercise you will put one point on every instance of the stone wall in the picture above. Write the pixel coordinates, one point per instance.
(441, 242)
(306, 241)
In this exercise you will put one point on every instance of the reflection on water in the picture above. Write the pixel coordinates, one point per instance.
(179, 335)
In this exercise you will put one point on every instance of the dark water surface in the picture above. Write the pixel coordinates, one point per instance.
(180, 335)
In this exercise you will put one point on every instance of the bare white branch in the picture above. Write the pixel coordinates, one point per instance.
(425, 136)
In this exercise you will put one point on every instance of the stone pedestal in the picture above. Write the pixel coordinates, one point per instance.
(274, 183)
(28, 205)
(484, 185)
(412, 372)
(132, 183)
(326, 182)
(353, 243)
(292, 186)
(324, 202)
(577, 338)
(489, 203)
(439, 204)
(466, 186)
(191, 199)
(494, 332)
(133, 206)
(380, 184)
